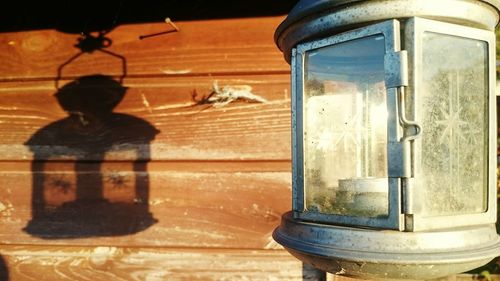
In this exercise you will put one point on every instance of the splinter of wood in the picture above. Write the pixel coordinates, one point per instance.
(167, 21)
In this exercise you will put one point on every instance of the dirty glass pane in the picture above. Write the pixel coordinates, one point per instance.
(452, 175)
(345, 129)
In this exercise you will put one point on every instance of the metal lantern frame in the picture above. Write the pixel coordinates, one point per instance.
(403, 196)
(407, 242)
(414, 30)
(392, 46)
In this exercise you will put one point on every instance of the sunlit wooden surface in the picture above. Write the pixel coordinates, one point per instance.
(217, 178)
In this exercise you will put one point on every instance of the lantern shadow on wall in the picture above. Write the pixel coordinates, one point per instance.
(89, 170)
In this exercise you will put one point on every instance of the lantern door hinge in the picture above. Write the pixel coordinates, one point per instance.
(410, 204)
(396, 69)
(408, 196)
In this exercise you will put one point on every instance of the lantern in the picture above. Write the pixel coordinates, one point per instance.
(394, 136)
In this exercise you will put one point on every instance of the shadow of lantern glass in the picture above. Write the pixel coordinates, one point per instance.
(94, 197)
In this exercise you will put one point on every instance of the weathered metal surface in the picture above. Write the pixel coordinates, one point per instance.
(388, 254)
(316, 19)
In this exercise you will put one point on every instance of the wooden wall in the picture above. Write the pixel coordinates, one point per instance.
(165, 186)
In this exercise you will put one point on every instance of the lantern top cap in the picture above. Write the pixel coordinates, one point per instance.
(311, 19)
(309, 7)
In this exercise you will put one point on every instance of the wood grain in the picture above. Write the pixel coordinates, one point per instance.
(199, 48)
(49, 263)
(116, 263)
(185, 129)
(221, 208)
(162, 187)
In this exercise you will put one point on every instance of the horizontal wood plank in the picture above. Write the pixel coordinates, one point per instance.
(173, 207)
(47, 263)
(167, 186)
(154, 166)
(42, 263)
(199, 48)
(157, 119)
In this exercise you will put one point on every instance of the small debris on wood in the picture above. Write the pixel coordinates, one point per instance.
(229, 93)
(171, 23)
(167, 21)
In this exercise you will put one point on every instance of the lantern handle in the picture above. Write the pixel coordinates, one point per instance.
(404, 120)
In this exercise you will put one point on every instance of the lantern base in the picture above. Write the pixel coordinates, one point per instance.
(388, 254)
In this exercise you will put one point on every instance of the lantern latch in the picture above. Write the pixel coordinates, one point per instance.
(396, 77)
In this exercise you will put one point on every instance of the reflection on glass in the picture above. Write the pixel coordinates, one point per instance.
(452, 178)
(345, 129)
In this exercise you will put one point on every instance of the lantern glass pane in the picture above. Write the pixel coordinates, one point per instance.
(345, 129)
(453, 109)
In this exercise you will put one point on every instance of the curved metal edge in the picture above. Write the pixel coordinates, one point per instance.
(363, 245)
(326, 251)
(309, 7)
(332, 17)
(386, 271)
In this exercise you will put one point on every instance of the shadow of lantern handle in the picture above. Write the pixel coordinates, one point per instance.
(88, 43)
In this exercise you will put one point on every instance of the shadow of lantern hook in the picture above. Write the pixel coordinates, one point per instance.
(88, 43)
